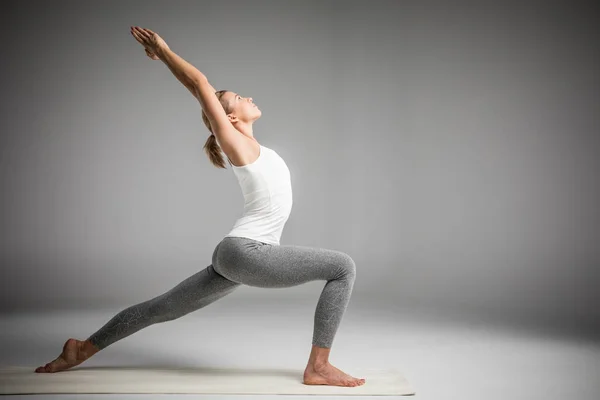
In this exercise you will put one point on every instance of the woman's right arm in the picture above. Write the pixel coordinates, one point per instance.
(185, 72)
(198, 85)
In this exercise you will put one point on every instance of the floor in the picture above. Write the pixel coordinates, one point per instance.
(443, 355)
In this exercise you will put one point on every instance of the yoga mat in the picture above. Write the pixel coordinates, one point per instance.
(201, 380)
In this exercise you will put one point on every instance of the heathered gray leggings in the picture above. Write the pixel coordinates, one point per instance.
(237, 261)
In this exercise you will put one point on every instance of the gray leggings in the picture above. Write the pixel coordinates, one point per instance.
(237, 261)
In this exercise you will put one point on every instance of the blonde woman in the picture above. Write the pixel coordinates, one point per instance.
(250, 254)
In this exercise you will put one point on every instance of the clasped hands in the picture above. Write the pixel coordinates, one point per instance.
(151, 41)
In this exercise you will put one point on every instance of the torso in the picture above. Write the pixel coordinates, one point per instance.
(266, 186)
(245, 153)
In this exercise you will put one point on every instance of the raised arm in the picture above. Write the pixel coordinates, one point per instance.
(195, 81)
(198, 85)
(185, 72)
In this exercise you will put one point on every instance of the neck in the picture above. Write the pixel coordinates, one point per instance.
(246, 129)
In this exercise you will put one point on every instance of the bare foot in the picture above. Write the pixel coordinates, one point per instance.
(74, 353)
(327, 374)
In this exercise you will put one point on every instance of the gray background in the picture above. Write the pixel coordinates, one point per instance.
(450, 149)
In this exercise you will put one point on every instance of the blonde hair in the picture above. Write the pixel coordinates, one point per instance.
(211, 147)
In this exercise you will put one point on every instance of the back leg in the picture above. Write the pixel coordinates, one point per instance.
(193, 293)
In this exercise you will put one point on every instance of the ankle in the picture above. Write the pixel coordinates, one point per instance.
(88, 349)
(319, 364)
(319, 357)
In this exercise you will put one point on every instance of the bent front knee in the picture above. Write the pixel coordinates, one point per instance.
(347, 266)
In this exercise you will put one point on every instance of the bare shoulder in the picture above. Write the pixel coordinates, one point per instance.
(245, 151)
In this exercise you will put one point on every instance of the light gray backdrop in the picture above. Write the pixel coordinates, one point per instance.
(450, 149)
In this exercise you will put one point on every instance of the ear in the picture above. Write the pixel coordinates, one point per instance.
(232, 118)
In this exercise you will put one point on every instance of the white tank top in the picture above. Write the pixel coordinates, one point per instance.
(267, 190)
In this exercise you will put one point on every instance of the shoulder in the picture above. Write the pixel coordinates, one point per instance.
(245, 151)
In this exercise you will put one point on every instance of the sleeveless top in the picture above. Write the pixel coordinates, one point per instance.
(267, 189)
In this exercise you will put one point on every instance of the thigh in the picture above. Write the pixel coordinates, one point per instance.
(259, 264)
(194, 292)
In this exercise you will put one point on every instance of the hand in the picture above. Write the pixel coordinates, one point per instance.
(151, 41)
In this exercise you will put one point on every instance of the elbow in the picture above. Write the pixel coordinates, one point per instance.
(198, 81)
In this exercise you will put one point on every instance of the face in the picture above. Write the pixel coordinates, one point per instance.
(242, 108)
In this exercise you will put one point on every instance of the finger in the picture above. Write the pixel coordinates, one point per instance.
(143, 33)
(134, 32)
(149, 35)
(148, 31)
(137, 32)
(138, 37)
(151, 54)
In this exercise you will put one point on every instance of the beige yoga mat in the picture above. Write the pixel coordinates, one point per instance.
(201, 380)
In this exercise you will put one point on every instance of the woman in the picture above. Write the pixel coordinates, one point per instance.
(250, 253)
